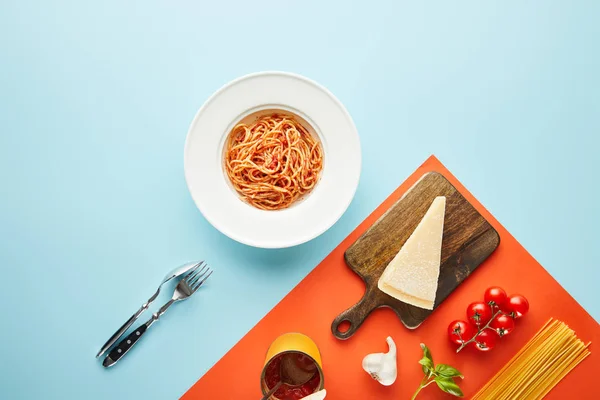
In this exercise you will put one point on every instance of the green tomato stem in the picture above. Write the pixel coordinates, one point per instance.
(479, 330)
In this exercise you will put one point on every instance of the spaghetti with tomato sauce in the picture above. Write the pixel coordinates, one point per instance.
(273, 161)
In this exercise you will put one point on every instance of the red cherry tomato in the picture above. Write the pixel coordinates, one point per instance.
(485, 340)
(502, 324)
(495, 296)
(479, 313)
(516, 306)
(460, 331)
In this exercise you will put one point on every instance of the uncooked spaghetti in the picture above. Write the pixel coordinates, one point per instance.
(546, 359)
(273, 161)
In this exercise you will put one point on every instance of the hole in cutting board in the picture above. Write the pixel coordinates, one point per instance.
(344, 326)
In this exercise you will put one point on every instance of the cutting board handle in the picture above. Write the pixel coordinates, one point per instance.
(355, 315)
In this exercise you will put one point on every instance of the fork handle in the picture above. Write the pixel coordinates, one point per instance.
(124, 346)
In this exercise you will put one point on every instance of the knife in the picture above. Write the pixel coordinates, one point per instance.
(173, 274)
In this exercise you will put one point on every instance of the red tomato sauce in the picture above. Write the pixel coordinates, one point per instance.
(286, 392)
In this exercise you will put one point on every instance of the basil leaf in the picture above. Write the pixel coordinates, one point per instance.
(447, 385)
(448, 371)
(427, 365)
(426, 352)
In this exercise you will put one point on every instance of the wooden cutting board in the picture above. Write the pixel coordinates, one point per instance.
(467, 241)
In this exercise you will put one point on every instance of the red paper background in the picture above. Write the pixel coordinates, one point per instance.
(331, 288)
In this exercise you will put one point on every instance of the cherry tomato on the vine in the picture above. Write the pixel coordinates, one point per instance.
(516, 306)
(460, 331)
(479, 313)
(502, 324)
(485, 340)
(495, 296)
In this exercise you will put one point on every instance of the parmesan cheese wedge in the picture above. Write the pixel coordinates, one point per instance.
(412, 275)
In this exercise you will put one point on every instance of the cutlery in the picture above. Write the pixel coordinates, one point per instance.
(173, 274)
(184, 289)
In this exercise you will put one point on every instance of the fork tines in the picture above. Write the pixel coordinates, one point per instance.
(197, 276)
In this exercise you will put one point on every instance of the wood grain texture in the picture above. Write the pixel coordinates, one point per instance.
(468, 240)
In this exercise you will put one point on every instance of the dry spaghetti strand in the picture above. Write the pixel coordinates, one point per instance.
(539, 366)
(273, 161)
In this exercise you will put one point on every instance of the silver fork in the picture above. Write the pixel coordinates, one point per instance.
(175, 274)
(184, 289)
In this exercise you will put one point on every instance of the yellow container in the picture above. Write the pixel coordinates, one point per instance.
(292, 343)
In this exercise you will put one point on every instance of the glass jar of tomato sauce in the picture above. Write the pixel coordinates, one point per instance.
(305, 354)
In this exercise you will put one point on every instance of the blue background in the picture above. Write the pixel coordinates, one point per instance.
(95, 102)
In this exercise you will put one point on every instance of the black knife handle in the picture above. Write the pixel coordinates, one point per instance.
(124, 346)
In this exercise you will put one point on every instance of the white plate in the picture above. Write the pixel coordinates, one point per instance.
(247, 97)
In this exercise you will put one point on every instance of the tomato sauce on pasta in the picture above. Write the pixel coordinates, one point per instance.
(273, 161)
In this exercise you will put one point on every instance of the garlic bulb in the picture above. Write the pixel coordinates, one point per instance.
(382, 366)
